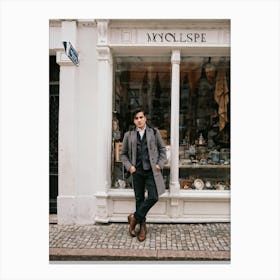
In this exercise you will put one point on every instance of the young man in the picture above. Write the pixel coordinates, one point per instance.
(143, 155)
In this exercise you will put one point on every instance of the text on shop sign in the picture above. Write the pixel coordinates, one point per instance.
(173, 37)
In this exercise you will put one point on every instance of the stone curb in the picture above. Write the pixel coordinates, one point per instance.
(61, 254)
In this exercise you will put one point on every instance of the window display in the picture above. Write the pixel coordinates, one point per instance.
(204, 155)
(139, 82)
(204, 116)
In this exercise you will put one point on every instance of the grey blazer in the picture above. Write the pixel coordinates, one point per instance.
(157, 153)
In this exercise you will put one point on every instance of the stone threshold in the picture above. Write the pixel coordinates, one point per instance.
(66, 254)
(52, 218)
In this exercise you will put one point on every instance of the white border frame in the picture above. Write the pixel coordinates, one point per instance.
(24, 185)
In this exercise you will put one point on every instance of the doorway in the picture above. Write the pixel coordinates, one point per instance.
(53, 133)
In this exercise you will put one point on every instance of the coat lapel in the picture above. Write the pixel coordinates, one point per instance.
(148, 137)
(133, 146)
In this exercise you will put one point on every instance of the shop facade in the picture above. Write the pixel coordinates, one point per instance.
(179, 72)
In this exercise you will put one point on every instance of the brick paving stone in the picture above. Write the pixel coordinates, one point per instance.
(205, 239)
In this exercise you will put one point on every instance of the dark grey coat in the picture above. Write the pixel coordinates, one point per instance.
(157, 153)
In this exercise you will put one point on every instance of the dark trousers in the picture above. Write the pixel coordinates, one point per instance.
(144, 179)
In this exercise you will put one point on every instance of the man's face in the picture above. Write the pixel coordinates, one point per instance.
(140, 120)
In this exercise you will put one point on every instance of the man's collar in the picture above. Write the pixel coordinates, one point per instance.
(138, 129)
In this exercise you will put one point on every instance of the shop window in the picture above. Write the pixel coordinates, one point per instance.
(204, 126)
(204, 155)
(139, 82)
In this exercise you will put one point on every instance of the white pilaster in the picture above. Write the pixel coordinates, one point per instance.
(103, 120)
(102, 32)
(174, 135)
(67, 163)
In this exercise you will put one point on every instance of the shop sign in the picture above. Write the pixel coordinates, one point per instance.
(175, 37)
(71, 52)
(196, 37)
(181, 37)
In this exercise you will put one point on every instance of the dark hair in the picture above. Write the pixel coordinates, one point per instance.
(138, 110)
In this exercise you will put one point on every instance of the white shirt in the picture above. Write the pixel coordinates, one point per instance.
(141, 131)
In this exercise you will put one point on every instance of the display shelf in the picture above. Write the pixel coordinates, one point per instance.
(207, 166)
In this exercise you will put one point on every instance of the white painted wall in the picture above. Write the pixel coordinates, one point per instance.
(55, 38)
(87, 124)
(78, 129)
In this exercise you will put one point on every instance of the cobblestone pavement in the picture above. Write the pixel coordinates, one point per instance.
(209, 241)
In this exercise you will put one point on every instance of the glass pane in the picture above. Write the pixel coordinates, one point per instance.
(205, 123)
(139, 82)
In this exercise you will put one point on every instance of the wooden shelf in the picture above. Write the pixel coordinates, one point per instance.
(190, 166)
(207, 166)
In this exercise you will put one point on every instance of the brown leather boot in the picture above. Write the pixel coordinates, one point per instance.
(132, 224)
(142, 233)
